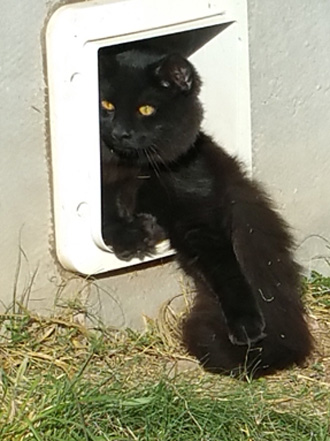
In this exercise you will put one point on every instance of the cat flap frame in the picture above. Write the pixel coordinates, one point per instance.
(75, 33)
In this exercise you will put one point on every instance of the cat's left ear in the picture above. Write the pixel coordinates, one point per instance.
(174, 70)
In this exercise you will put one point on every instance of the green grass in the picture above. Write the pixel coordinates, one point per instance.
(159, 410)
(62, 382)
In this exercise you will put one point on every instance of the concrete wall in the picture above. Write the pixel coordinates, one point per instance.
(290, 65)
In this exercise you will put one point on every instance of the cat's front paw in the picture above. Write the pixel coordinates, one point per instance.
(153, 234)
(246, 330)
(139, 238)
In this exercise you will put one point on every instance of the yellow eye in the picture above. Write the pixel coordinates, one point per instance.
(107, 105)
(146, 110)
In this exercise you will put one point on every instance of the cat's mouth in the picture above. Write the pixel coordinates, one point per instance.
(146, 156)
(127, 154)
(124, 152)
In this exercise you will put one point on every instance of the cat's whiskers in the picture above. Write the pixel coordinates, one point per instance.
(161, 160)
(152, 162)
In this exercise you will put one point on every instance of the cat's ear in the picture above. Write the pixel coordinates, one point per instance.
(176, 71)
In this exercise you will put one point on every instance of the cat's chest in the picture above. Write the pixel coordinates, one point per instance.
(190, 180)
(178, 190)
(189, 186)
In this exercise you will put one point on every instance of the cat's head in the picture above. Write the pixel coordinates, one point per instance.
(149, 107)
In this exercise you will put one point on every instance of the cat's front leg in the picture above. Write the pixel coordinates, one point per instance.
(127, 231)
(244, 319)
(210, 259)
(246, 329)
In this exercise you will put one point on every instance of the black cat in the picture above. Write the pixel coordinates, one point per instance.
(164, 178)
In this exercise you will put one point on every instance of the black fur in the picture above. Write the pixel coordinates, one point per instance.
(163, 177)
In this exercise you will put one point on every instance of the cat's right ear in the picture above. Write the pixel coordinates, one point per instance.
(175, 71)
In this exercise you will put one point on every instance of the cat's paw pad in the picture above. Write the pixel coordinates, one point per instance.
(246, 330)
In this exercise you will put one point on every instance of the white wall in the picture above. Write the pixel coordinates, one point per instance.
(290, 84)
(290, 65)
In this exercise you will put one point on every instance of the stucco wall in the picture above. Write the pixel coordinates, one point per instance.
(290, 65)
(290, 86)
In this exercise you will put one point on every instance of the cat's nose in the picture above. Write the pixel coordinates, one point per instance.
(120, 133)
